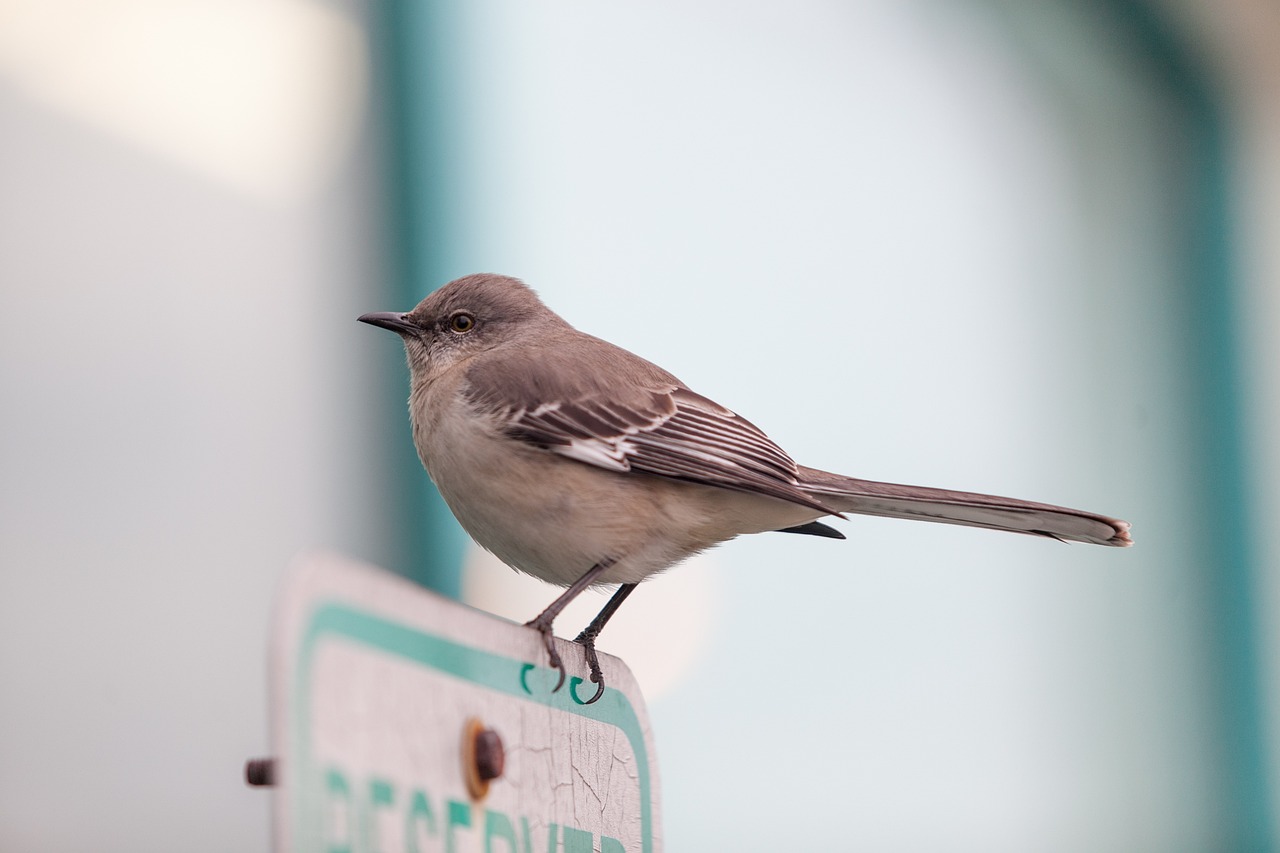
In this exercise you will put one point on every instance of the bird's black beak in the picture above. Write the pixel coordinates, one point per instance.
(396, 322)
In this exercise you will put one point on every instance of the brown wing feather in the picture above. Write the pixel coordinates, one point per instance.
(651, 424)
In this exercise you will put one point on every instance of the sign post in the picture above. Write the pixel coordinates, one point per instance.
(403, 721)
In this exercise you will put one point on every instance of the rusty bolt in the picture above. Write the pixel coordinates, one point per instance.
(483, 757)
(490, 757)
(260, 772)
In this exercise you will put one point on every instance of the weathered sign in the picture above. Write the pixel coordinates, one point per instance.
(404, 721)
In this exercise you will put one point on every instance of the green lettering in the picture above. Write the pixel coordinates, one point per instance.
(337, 792)
(578, 841)
(611, 845)
(459, 815)
(419, 813)
(381, 796)
(498, 826)
(524, 834)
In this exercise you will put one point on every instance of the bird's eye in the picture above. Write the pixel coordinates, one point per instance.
(462, 323)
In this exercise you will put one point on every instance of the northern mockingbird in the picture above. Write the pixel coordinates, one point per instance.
(582, 464)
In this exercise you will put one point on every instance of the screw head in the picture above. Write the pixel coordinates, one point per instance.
(260, 772)
(483, 757)
(490, 756)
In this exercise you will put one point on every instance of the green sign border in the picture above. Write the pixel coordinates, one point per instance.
(334, 619)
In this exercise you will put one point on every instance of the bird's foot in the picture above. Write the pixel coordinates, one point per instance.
(588, 642)
(543, 627)
(542, 622)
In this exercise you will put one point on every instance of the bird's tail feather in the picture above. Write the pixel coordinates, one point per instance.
(868, 497)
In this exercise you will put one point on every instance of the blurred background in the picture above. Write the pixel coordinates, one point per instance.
(1022, 248)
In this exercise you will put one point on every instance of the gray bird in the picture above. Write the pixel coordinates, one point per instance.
(582, 464)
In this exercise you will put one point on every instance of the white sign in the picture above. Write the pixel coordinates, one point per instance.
(404, 721)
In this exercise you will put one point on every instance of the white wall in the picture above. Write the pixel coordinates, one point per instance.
(185, 242)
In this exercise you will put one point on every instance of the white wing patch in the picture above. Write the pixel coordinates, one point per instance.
(673, 433)
(603, 454)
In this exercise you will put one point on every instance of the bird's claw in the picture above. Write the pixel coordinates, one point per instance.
(593, 662)
(588, 644)
(543, 627)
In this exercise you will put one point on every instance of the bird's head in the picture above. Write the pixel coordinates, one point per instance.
(466, 316)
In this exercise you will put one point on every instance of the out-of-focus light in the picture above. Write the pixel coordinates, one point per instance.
(662, 631)
(262, 96)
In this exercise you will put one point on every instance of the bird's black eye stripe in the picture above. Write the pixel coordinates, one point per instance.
(462, 322)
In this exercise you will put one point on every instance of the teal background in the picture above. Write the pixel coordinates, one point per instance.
(420, 243)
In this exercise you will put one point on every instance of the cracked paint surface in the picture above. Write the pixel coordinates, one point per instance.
(378, 764)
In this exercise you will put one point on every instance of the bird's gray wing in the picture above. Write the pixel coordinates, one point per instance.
(653, 424)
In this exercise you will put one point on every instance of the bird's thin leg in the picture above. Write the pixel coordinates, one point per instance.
(542, 622)
(588, 636)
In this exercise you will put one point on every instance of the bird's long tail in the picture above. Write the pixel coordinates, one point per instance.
(868, 497)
